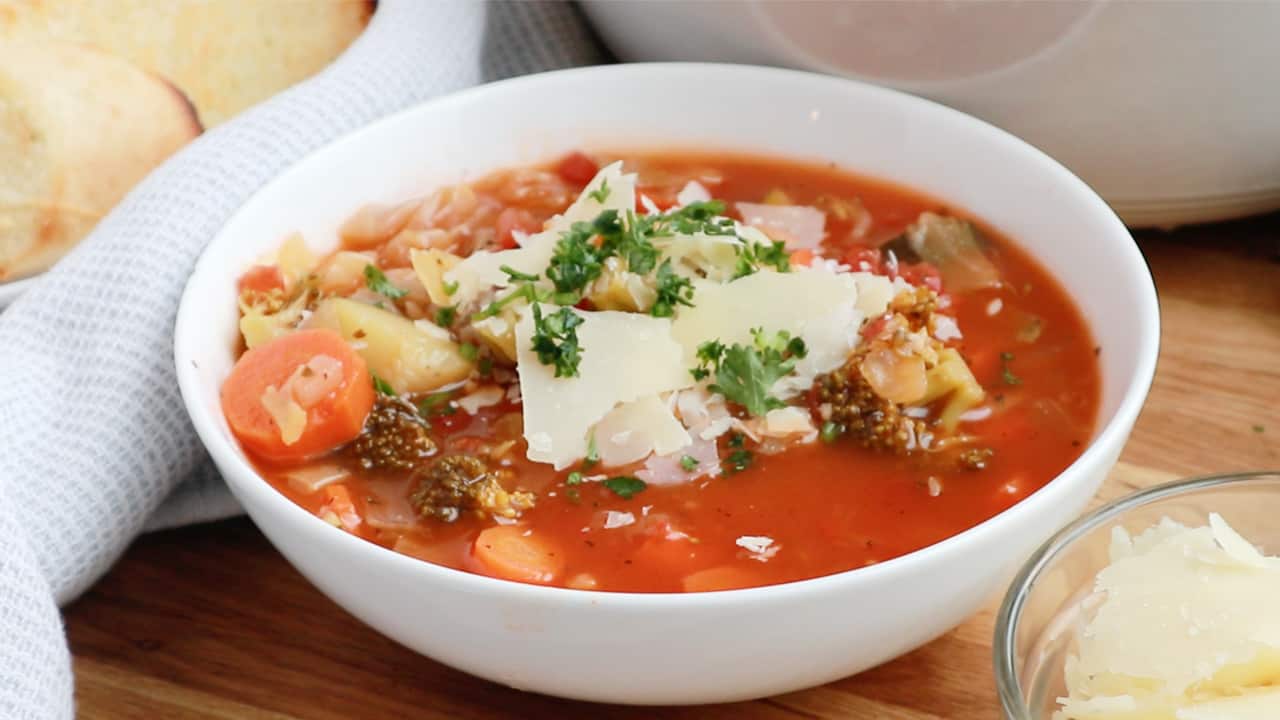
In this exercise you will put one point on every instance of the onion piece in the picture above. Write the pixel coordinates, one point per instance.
(387, 506)
(311, 478)
(799, 226)
(374, 223)
(894, 377)
(662, 470)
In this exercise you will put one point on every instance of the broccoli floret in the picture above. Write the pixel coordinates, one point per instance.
(395, 437)
(862, 415)
(452, 484)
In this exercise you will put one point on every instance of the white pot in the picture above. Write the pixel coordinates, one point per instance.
(1170, 110)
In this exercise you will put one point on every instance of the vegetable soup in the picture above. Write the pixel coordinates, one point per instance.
(660, 373)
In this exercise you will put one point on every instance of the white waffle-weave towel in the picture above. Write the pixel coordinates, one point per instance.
(94, 444)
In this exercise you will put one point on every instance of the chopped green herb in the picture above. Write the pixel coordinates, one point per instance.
(831, 431)
(378, 282)
(753, 256)
(575, 478)
(576, 262)
(573, 495)
(516, 275)
(436, 404)
(450, 287)
(625, 486)
(1006, 372)
(469, 351)
(738, 461)
(1259, 429)
(593, 453)
(531, 293)
(673, 290)
(382, 386)
(555, 340)
(485, 366)
(737, 440)
(446, 315)
(689, 463)
(601, 193)
(744, 374)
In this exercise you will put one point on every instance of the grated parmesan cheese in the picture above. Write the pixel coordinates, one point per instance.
(1187, 627)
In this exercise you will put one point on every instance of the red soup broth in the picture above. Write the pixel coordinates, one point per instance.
(827, 507)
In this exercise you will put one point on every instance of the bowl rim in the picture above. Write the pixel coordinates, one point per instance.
(1008, 686)
(244, 478)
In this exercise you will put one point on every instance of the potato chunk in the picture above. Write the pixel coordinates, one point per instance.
(395, 349)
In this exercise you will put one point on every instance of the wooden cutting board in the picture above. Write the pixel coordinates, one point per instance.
(210, 622)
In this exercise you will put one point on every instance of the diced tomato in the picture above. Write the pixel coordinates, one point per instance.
(874, 262)
(802, 257)
(338, 509)
(513, 219)
(662, 198)
(261, 279)
(577, 168)
(922, 274)
(873, 328)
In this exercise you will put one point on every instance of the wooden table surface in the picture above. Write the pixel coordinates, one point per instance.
(211, 622)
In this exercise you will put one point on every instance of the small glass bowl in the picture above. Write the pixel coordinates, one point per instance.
(1053, 597)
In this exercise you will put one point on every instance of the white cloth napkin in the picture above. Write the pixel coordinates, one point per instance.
(95, 445)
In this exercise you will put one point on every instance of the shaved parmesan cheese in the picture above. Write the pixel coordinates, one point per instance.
(761, 547)
(789, 421)
(799, 226)
(614, 519)
(625, 357)
(1187, 628)
(483, 269)
(634, 430)
(825, 310)
(693, 192)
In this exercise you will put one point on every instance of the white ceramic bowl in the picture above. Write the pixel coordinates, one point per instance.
(680, 648)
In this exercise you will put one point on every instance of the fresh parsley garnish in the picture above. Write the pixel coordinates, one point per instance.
(738, 460)
(469, 351)
(575, 478)
(744, 374)
(577, 262)
(382, 386)
(1006, 372)
(555, 340)
(689, 463)
(436, 404)
(378, 282)
(446, 315)
(625, 486)
(450, 287)
(737, 440)
(753, 256)
(1259, 429)
(831, 431)
(593, 454)
(485, 366)
(573, 495)
(672, 290)
(516, 275)
(601, 193)
(530, 293)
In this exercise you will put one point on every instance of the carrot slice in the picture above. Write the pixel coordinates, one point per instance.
(505, 551)
(331, 420)
(724, 577)
(261, 279)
